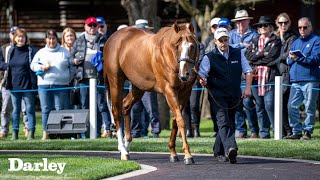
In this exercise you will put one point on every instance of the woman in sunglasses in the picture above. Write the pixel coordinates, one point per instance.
(287, 37)
(261, 54)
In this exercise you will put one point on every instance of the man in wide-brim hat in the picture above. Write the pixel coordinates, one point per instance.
(241, 15)
(241, 37)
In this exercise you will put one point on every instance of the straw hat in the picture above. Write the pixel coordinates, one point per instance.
(241, 15)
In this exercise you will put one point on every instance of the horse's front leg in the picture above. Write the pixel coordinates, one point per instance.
(179, 123)
(172, 141)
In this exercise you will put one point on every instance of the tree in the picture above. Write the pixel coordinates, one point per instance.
(209, 9)
(142, 9)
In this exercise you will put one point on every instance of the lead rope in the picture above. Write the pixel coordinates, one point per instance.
(209, 91)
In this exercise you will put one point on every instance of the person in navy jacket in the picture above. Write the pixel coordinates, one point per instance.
(221, 70)
(304, 76)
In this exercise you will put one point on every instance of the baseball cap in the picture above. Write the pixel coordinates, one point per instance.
(224, 22)
(100, 20)
(220, 32)
(13, 29)
(90, 20)
(214, 21)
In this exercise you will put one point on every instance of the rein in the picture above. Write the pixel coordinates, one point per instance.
(210, 93)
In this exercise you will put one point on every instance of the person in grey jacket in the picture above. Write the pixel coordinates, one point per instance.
(84, 50)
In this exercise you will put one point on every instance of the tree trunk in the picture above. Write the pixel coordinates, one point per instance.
(142, 9)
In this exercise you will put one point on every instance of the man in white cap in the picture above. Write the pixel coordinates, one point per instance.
(209, 44)
(241, 37)
(220, 71)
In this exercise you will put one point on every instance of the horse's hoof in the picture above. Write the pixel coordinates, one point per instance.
(125, 157)
(188, 161)
(174, 159)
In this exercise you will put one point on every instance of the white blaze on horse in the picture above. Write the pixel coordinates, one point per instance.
(161, 62)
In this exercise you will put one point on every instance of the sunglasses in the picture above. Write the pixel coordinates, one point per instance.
(303, 27)
(214, 26)
(263, 25)
(101, 26)
(284, 22)
(92, 25)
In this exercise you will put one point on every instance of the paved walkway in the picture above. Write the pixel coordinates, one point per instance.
(157, 167)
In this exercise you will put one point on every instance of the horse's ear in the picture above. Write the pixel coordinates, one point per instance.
(176, 27)
(190, 27)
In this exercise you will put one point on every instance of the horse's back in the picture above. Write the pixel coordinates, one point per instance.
(129, 51)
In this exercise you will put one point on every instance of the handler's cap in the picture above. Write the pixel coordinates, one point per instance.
(220, 32)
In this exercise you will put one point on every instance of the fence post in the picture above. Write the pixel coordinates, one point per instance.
(278, 108)
(93, 108)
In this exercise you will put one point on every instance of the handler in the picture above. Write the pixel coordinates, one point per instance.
(220, 70)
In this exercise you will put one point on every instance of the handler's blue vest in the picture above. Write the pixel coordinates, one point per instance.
(224, 78)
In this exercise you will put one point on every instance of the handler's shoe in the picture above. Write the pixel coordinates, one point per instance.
(232, 155)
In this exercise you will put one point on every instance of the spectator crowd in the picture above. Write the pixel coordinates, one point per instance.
(237, 66)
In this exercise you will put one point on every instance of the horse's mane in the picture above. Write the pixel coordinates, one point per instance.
(168, 34)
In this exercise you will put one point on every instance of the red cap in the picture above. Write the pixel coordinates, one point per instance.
(90, 20)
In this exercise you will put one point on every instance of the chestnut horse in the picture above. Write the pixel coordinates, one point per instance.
(161, 62)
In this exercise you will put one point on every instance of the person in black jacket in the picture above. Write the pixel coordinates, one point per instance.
(20, 80)
(287, 37)
(262, 52)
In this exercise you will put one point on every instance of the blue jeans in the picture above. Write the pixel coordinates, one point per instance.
(51, 98)
(29, 99)
(149, 104)
(246, 109)
(102, 107)
(265, 110)
(302, 93)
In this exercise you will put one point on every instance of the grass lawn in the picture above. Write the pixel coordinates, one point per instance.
(254, 147)
(77, 167)
(296, 149)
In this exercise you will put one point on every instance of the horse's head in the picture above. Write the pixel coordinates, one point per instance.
(187, 50)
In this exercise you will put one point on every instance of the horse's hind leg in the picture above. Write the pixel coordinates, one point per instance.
(116, 87)
(134, 95)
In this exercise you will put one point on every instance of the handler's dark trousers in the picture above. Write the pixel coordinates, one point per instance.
(224, 111)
